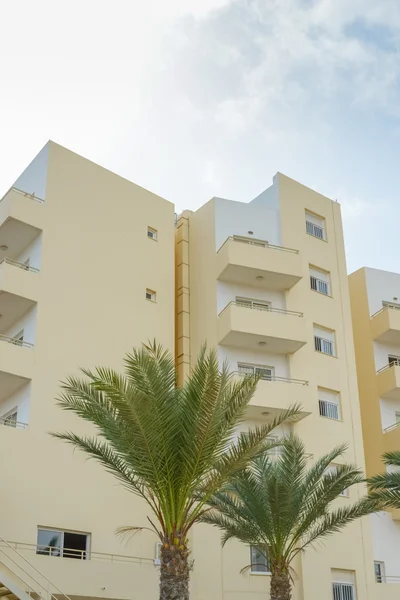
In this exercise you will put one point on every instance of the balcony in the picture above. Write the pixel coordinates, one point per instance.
(257, 263)
(391, 438)
(21, 220)
(16, 364)
(385, 325)
(388, 380)
(276, 394)
(263, 327)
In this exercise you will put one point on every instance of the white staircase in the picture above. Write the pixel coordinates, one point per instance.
(20, 580)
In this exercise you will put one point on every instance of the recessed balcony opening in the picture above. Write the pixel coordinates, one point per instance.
(14, 401)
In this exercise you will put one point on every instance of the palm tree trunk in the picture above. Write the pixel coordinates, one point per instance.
(174, 570)
(280, 585)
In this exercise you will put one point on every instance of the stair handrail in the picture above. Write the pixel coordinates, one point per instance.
(3, 541)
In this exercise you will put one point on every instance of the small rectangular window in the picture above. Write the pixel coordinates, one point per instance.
(343, 591)
(315, 225)
(152, 233)
(68, 544)
(394, 360)
(259, 560)
(151, 295)
(324, 340)
(18, 339)
(320, 281)
(379, 568)
(329, 404)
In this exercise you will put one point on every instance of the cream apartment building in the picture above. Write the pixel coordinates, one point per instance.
(265, 283)
(87, 270)
(375, 301)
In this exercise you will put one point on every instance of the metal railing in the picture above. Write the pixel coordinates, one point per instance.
(324, 346)
(14, 424)
(381, 310)
(315, 230)
(319, 285)
(26, 194)
(22, 266)
(331, 410)
(387, 578)
(262, 307)
(43, 591)
(255, 242)
(74, 552)
(393, 363)
(391, 427)
(273, 377)
(343, 591)
(15, 341)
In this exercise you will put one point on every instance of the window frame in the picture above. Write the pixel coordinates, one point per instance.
(62, 532)
(327, 283)
(154, 232)
(342, 584)
(255, 368)
(263, 573)
(333, 342)
(338, 404)
(382, 574)
(6, 418)
(151, 293)
(253, 303)
(323, 227)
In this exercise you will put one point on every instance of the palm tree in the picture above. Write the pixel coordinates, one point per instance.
(172, 446)
(386, 486)
(279, 506)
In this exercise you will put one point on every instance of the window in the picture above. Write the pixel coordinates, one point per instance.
(68, 544)
(251, 303)
(252, 241)
(265, 373)
(152, 233)
(379, 568)
(26, 264)
(259, 562)
(157, 557)
(332, 470)
(315, 225)
(276, 451)
(320, 281)
(329, 404)
(324, 341)
(343, 591)
(10, 419)
(151, 295)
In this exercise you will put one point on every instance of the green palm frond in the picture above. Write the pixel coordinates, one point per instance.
(173, 446)
(385, 487)
(282, 504)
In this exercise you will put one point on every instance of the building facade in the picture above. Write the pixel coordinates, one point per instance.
(375, 306)
(265, 283)
(91, 265)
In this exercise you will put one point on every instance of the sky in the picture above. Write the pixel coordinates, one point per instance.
(200, 98)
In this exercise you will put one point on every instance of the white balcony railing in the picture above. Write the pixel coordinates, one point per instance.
(262, 307)
(393, 363)
(331, 410)
(315, 230)
(25, 194)
(84, 554)
(319, 285)
(272, 377)
(19, 265)
(255, 242)
(15, 341)
(13, 424)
